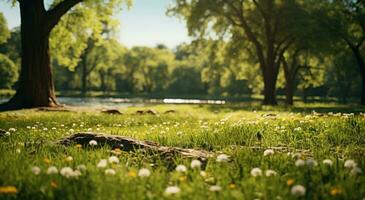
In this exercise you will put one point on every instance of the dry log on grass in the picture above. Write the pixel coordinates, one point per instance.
(130, 144)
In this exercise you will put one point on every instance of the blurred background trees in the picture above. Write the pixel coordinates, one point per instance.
(290, 49)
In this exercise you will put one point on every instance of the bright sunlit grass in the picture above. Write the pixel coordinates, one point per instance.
(321, 156)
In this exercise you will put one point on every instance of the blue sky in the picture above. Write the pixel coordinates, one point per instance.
(145, 24)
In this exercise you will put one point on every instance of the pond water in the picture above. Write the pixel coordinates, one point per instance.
(126, 102)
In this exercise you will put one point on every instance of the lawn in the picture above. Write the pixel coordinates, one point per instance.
(259, 153)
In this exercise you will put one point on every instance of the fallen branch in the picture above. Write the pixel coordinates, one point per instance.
(130, 144)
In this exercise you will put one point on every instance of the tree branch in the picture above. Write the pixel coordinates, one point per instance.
(55, 14)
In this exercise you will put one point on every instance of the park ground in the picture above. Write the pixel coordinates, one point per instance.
(312, 151)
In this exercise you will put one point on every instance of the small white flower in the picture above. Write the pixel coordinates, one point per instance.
(113, 159)
(18, 150)
(67, 172)
(299, 163)
(181, 168)
(203, 174)
(350, 164)
(355, 171)
(328, 162)
(36, 170)
(110, 172)
(222, 158)
(7, 133)
(12, 129)
(298, 129)
(144, 172)
(195, 164)
(102, 163)
(52, 170)
(215, 188)
(179, 133)
(172, 190)
(45, 129)
(311, 163)
(54, 128)
(76, 173)
(268, 152)
(256, 172)
(298, 190)
(93, 143)
(89, 129)
(270, 172)
(81, 167)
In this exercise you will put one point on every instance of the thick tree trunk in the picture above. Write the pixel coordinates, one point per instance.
(270, 77)
(35, 88)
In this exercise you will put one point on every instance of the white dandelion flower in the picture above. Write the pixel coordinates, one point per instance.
(7, 133)
(299, 163)
(172, 190)
(52, 170)
(215, 188)
(102, 163)
(110, 172)
(222, 158)
(328, 162)
(298, 129)
(256, 172)
(350, 164)
(355, 171)
(113, 160)
(12, 129)
(36, 170)
(270, 172)
(195, 164)
(67, 172)
(181, 168)
(268, 152)
(144, 172)
(93, 143)
(81, 167)
(298, 190)
(311, 163)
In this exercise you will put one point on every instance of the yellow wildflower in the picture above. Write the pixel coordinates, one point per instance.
(78, 146)
(132, 174)
(8, 190)
(232, 186)
(290, 182)
(335, 191)
(47, 161)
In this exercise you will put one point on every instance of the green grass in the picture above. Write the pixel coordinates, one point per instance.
(229, 129)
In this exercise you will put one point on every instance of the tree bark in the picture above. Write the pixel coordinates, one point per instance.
(35, 88)
(269, 87)
(361, 64)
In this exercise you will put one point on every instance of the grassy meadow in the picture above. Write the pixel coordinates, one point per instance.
(259, 153)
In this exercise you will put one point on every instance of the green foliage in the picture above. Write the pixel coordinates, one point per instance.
(91, 18)
(4, 31)
(8, 72)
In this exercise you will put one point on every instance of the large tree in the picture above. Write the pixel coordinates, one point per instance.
(264, 24)
(346, 20)
(35, 85)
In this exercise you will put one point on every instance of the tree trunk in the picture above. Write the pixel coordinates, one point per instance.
(289, 90)
(83, 77)
(270, 77)
(361, 64)
(35, 87)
